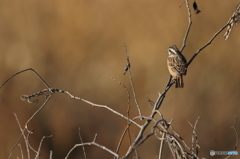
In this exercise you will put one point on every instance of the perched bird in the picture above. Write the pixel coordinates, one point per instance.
(177, 65)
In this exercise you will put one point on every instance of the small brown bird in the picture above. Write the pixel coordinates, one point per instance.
(177, 65)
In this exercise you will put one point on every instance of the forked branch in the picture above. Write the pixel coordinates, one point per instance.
(229, 24)
(95, 144)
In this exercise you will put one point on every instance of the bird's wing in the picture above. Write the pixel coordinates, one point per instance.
(177, 65)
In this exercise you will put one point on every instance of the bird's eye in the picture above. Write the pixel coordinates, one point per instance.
(172, 51)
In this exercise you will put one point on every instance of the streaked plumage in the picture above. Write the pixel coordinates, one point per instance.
(177, 65)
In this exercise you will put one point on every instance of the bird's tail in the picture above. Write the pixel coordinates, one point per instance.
(179, 82)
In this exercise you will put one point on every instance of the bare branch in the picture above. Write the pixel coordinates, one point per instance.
(15, 145)
(178, 136)
(95, 144)
(195, 145)
(233, 20)
(50, 156)
(128, 104)
(215, 35)
(121, 139)
(20, 147)
(189, 26)
(52, 90)
(150, 102)
(145, 125)
(29, 69)
(208, 43)
(84, 152)
(127, 129)
(101, 106)
(39, 147)
(26, 128)
(131, 81)
(160, 129)
(22, 135)
(45, 102)
(161, 146)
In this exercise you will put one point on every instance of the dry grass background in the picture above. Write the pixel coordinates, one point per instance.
(78, 45)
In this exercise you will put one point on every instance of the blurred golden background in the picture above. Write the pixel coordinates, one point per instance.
(78, 45)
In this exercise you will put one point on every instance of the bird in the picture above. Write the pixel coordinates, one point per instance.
(177, 65)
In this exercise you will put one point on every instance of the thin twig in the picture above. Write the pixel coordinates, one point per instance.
(161, 146)
(95, 144)
(52, 90)
(163, 136)
(233, 20)
(142, 141)
(157, 105)
(208, 43)
(50, 156)
(15, 145)
(40, 145)
(121, 139)
(39, 109)
(131, 81)
(189, 26)
(127, 129)
(26, 128)
(194, 138)
(150, 102)
(102, 106)
(20, 147)
(28, 141)
(213, 37)
(153, 132)
(28, 69)
(84, 152)
(23, 134)
(192, 149)
(178, 136)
